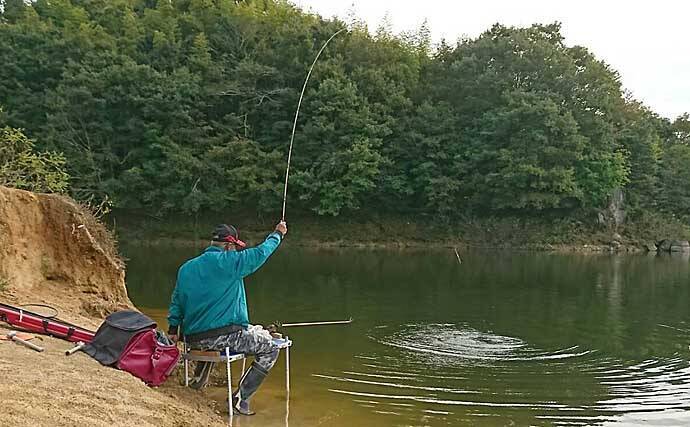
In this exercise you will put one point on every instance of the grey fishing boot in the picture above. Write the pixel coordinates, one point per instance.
(250, 382)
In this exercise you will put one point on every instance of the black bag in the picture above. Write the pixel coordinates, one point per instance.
(114, 334)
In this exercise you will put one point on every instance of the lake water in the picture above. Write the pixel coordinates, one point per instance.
(502, 338)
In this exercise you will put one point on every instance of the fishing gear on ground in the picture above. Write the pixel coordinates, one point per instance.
(128, 340)
(22, 338)
(34, 322)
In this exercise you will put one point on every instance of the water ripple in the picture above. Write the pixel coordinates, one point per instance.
(422, 371)
(469, 343)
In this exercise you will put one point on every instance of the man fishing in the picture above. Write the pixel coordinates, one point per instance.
(209, 307)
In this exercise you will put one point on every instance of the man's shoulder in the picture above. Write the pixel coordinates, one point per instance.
(193, 261)
(208, 257)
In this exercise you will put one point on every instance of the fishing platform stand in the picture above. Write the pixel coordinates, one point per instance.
(226, 356)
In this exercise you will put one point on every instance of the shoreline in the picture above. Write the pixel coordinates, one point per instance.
(409, 233)
(409, 245)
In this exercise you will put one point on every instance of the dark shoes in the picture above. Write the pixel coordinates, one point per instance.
(241, 407)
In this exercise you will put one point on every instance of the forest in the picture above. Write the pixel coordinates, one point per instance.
(186, 106)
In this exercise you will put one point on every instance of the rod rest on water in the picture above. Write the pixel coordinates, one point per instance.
(329, 322)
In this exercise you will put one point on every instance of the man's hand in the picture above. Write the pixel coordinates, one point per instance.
(282, 228)
(173, 338)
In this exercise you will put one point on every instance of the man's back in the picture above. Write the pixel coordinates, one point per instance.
(209, 293)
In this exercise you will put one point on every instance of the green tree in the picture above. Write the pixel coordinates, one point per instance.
(337, 159)
(539, 118)
(187, 105)
(675, 176)
(642, 143)
(427, 162)
(525, 156)
(681, 129)
(21, 166)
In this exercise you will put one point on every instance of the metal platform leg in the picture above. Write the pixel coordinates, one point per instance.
(230, 409)
(287, 385)
(244, 365)
(186, 363)
(287, 370)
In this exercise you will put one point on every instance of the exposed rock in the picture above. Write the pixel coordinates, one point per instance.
(664, 245)
(614, 214)
(680, 246)
(601, 219)
(668, 245)
(616, 206)
(650, 247)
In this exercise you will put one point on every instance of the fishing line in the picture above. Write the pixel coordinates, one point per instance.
(294, 124)
(457, 255)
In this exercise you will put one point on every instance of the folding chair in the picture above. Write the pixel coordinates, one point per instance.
(189, 355)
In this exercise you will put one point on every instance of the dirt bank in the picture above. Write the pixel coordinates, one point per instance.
(53, 252)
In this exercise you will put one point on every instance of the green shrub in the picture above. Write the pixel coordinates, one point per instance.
(24, 168)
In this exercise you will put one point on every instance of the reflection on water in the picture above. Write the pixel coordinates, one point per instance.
(523, 339)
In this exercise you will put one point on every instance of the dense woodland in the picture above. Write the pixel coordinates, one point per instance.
(187, 105)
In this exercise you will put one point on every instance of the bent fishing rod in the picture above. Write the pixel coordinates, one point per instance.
(287, 169)
(294, 124)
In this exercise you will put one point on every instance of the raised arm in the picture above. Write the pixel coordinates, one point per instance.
(251, 259)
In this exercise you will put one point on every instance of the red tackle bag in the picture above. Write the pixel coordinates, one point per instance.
(148, 359)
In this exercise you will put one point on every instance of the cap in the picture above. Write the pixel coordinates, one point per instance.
(227, 233)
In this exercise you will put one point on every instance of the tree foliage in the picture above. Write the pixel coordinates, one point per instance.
(187, 105)
(24, 168)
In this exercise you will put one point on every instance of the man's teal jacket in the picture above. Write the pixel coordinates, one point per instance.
(209, 293)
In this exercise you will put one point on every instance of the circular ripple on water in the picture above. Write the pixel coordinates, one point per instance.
(460, 342)
(447, 374)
